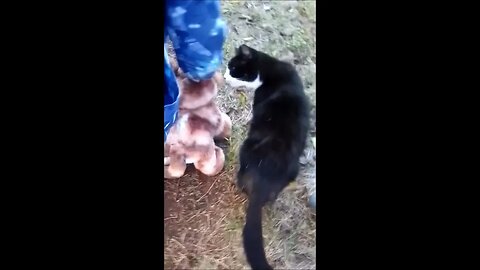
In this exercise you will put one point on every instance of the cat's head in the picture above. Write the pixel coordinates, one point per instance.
(243, 69)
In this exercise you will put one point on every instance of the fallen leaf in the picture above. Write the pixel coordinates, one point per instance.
(292, 186)
(243, 99)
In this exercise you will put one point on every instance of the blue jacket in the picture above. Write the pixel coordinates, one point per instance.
(197, 33)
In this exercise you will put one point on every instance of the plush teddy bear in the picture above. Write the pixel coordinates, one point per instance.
(191, 138)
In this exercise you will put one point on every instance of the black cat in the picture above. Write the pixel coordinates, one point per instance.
(269, 157)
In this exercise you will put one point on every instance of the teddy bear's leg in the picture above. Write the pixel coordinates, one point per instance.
(171, 140)
(166, 153)
(177, 165)
(175, 169)
(166, 149)
(225, 129)
(212, 162)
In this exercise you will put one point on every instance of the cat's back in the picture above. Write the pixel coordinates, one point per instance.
(277, 135)
(281, 98)
(277, 73)
(279, 126)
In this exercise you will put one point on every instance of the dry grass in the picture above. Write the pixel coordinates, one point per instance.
(205, 216)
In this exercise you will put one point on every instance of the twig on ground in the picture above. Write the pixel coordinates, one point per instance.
(208, 189)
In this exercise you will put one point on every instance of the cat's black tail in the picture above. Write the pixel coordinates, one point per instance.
(252, 235)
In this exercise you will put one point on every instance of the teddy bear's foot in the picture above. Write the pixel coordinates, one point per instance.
(174, 171)
(214, 164)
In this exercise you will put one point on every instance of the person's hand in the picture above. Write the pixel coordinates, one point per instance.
(217, 77)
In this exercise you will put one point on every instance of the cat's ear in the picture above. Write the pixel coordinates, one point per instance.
(245, 51)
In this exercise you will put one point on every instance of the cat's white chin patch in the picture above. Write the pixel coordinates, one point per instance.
(235, 83)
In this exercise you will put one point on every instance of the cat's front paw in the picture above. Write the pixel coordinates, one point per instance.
(242, 184)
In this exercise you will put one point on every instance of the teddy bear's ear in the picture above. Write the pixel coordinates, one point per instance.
(179, 73)
(218, 78)
(173, 64)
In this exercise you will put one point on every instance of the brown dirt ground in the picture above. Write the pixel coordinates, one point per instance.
(197, 211)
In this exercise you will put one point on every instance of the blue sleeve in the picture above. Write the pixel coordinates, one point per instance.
(197, 33)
